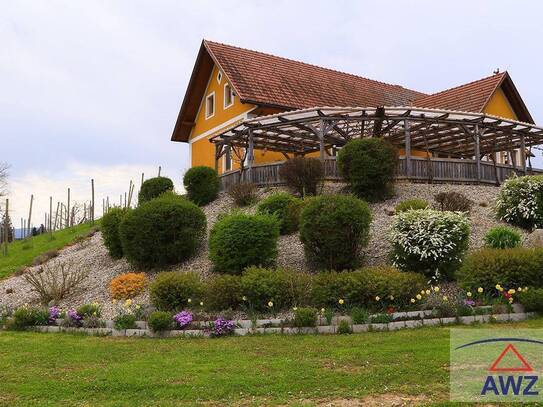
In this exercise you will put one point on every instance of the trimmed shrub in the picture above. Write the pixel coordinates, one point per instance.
(243, 193)
(502, 237)
(344, 328)
(520, 201)
(125, 321)
(89, 310)
(369, 165)
(453, 201)
(516, 267)
(333, 229)
(371, 287)
(160, 321)
(302, 175)
(24, 317)
(284, 288)
(286, 208)
(532, 300)
(173, 291)
(238, 241)
(409, 204)
(110, 231)
(153, 188)
(166, 230)
(202, 184)
(127, 285)
(223, 292)
(429, 241)
(305, 317)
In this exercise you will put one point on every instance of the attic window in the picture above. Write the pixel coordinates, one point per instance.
(228, 96)
(210, 105)
(219, 77)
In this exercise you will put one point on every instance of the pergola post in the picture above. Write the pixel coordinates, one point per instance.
(250, 156)
(217, 150)
(523, 154)
(477, 153)
(407, 148)
(320, 135)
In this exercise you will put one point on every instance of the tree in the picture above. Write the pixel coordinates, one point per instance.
(3, 178)
(6, 219)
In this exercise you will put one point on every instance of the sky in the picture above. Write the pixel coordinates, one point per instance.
(92, 89)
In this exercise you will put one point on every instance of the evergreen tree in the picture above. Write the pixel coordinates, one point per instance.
(6, 219)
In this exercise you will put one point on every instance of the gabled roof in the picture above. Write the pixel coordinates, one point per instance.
(474, 96)
(271, 81)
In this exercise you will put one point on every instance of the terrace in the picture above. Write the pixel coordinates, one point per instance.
(435, 145)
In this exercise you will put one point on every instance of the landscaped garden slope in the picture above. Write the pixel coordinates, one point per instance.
(93, 256)
(374, 368)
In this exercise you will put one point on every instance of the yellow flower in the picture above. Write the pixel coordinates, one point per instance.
(244, 298)
(427, 292)
(201, 303)
(270, 304)
(295, 309)
(114, 301)
(391, 297)
(511, 291)
(422, 292)
(468, 293)
(138, 306)
(189, 300)
(341, 301)
(445, 298)
(499, 287)
(480, 290)
(377, 298)
(519, 289)
(525, 288)
(128, 303)
(510, 300)
(436, 289)
(322, 310)
(419, 297)
(412, 300)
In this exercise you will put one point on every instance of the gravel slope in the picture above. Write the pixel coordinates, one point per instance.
(92, 255)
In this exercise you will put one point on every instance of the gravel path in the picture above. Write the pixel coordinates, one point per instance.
(92, 255)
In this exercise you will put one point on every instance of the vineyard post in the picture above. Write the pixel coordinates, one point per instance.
(92, 204)
(6, 231)
(30, 214)
(68, 210)
(51, 217)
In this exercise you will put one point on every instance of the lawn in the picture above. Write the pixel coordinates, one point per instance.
(66, 369)
(23, 252)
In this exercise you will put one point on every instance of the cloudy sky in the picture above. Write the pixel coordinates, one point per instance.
(91, 89)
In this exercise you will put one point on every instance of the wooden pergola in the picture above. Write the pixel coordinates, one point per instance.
(439, 133)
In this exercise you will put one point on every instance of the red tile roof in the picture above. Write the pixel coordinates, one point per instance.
(267, 79)
(471, 97)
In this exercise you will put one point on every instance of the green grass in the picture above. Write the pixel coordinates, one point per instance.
(65, 369)
(22, 252)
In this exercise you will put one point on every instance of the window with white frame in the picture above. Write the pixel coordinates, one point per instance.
(219, 77)
(210, 105)
(228, 95)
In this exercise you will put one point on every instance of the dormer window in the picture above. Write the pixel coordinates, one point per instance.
(228, 95)
(219, 77)
(210, 105)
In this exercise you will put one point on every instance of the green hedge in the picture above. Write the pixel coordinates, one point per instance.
(165, 230)
(333, 229)
(153, 188)
(110, 231)
(511, 268)
(238, 241)
(202, 184)
(285, 207)
(171, 291)
(223, 292)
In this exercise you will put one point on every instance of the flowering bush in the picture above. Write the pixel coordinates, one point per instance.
(222, 327)
(127, 285)
(54, 314)
(27, 316)
(429, 241)
(183, 319)
(520, 201)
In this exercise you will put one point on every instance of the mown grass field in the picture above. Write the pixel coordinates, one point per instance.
(66, 369)
(22, 252)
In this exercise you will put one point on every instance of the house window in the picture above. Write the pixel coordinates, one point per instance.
(228, 96)
(210, 105)
(219, 77)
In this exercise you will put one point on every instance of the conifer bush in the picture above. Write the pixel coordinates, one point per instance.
(153, 188)
(110, 231)
(202, 184)
(333, 229)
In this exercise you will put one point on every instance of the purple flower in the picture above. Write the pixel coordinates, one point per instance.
(74, 316)
(183, 319)
(54, 313)
(470, 303)
(222, 327)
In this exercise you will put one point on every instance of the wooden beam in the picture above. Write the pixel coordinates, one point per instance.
(407, 131)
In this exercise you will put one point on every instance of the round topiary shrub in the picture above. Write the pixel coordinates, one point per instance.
(238, 241)
(502, 237)
(429, 241)
(153, 188)
(368, 165)
(165, 230)
(202, 184)
(333, 229)
(223, 292)
(302, 175)
(409, 204)
(285, 207)
(520, 202)
(160, 321)
(110, 231)
(173, 291)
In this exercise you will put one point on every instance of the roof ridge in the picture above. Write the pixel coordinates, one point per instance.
(501, 75)
(315, 66)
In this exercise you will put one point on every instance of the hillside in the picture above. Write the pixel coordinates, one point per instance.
(92, 255)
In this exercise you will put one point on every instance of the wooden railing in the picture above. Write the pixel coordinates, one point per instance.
(441, 170)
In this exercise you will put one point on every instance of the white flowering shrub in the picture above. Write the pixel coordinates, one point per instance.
(520, 201)
(429, 241)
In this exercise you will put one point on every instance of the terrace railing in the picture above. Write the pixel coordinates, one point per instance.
(439, 170)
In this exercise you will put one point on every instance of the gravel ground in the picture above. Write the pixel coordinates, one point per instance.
(92, 255)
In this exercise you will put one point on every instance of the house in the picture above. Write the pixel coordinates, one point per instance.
(229, 85)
